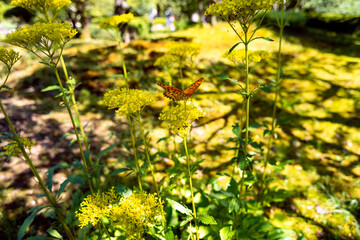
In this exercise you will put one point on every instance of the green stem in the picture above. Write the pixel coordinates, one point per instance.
(191, 187)
(71, 90)
(133, 140)
(35, 172)
(66, 102)
(272, 131)
(147, 154)
(247, 103)
(119, 39)
(6, 78)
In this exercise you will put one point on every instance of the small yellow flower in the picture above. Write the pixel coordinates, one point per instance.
(96, 206)
(46, 37)
(9, 57)
(183, 50)
(165, 61)
(14, 148)
(41, 5)
(128, 101)
(242, 10)
(238, 56)
(114, 21)
(178, 119)
(137, 213)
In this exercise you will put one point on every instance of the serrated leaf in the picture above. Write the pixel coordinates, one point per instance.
(179, 207)
(27, 222)
(50, 88)
(207, 219)
(54, 233)
(226, 233)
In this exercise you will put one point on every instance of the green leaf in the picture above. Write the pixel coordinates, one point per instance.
(206, 219)
(232, 187)
(236, 129)
(226, 233)
(196, 164)
(243, 163)
(169, 235)
(223, 76)
(28, 221)
(233, 47)
(71, 82)
(50, 173)
(234, 205)
(39, 238)
(6, 87)
(54, 233)
(179, 207)
(162, 139)
(188, 219)
(50, 88)
(120, 170)
(123, 191)
(265, 38)
(168, 188)
(75, 179)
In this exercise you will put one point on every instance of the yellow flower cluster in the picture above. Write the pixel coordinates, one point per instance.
(14, 148)
(165, 61)
(128, 101)
(137, 213)
(41, 5)
(96, 206)
(178, 119)
(238, 55)
(42, 36)
(114, 21)
(242, 10)
(9, 57)
(183, 50)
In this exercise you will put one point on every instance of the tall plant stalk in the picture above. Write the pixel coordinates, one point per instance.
(281, 24)
(33, 169)
(147, 154)
(191, 188)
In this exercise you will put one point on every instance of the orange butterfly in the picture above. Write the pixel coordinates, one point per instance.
(178, 95)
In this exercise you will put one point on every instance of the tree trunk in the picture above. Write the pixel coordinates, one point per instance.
(79, 17)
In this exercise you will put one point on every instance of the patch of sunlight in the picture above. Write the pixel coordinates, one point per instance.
(296, 178)
(281, 219)
(345, 106)
(319, 208)
(309, 110)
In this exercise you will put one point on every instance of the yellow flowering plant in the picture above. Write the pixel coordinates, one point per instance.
(47, 38)
(13, 147)
(128, 102)
(114, 22)
(48, 8)
(138, 213)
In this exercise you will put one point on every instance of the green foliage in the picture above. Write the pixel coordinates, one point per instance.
(141, 26)
(345, 7)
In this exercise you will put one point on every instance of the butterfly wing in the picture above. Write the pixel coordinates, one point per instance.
(173, 92)
(193, 87)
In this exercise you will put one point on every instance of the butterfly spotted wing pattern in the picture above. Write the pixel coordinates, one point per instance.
(178, 95)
